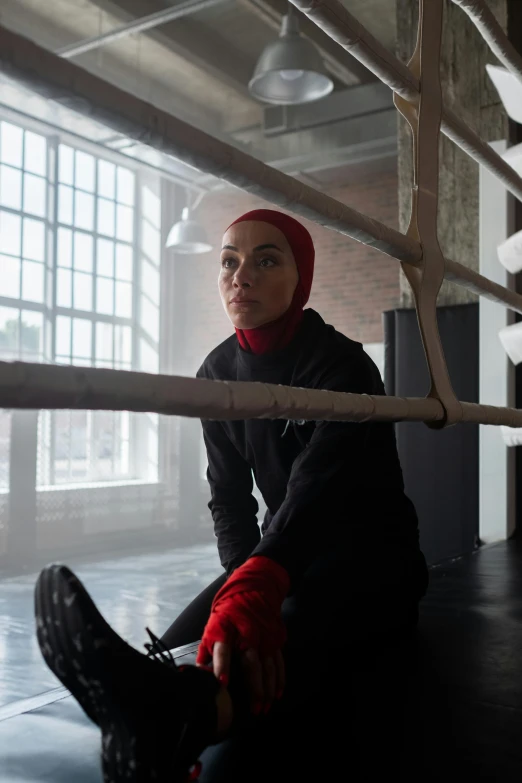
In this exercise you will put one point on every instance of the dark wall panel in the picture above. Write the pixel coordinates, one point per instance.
(440, 467)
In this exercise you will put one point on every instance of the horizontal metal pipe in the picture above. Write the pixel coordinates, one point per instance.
(491, 31)
(474, 281)
(140, 25)
(95, 147)
(71, 85)
(26, 385)
(334, 19)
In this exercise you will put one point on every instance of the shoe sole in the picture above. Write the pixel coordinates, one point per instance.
(72, 634)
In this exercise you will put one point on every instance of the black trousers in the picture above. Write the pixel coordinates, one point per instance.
(349, 658)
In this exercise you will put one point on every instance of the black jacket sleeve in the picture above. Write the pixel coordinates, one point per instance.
(233, 506)
(332, 459)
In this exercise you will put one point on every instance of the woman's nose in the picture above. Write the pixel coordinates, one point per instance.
(243, 277)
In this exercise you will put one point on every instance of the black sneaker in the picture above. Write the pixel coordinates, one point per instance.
(155, 719)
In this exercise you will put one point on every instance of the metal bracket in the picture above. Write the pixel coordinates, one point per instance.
(423, 115)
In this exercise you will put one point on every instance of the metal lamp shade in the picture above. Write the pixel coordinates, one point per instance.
(188, 237)
(290, 70)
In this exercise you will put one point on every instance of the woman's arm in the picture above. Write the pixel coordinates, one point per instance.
(233, 506)
(322, 487)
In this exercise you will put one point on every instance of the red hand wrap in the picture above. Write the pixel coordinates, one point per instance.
(246, 612)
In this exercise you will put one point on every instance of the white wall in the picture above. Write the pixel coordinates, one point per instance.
(496, 373)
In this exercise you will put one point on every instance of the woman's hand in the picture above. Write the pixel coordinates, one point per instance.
(264, 677)
(246, 618)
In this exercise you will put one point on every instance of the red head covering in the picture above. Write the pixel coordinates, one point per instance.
(277, 334)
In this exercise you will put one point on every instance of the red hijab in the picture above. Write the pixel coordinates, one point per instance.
(277, 334)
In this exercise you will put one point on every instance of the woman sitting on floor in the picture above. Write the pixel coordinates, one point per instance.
(338, 558)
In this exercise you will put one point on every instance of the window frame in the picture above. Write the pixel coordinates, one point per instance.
(138, 433)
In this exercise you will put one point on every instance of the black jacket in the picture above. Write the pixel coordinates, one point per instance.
(324, 483)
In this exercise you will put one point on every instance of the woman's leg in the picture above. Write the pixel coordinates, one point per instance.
(122, 690)
(348, 658)
(189, 625)
(145, 706)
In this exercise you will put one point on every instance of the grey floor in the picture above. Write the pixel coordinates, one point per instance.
(131, 592)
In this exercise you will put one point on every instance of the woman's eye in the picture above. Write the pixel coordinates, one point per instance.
(227, 263)
(267, 262)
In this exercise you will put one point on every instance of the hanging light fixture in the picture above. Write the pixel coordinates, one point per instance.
(290, 70)
(187, 236)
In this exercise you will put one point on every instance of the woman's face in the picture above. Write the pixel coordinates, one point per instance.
(258, 274)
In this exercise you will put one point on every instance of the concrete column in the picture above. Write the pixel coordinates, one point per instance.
(468, 90)
(21, 526)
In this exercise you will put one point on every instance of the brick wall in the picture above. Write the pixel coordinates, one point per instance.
(353, 284)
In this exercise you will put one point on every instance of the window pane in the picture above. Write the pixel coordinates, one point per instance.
(63, 288)
(83, 210)
(34, 239)
(34, 195)
(104, 296)
(10, 233)
(63, 335)
(151, 206)
(82, 291)
(123, 262)
(150, 241)
(9, 331)
(11, 144)
(148, 357)
(106, 217)
(35, 153)
(124, 300)
(104, 342)
(84, 171)
(33, 281)
(65, 164)
(124, 456)
(70, 449)
(31, 334)
(64, 247)
(104, 442)
(149, 316)
(124, 227)
(123, 344)
(9, 277)
(83, 247)
(82, 333)
(10, 187)
(65, 204)
(82, 361)
(152, 443)
(105, 259)
(125, 192)
(124, 423)
(106, 179)
(150, 281)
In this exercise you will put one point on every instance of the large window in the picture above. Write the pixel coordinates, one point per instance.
(79, 284)
(94, 261)
(24, 187)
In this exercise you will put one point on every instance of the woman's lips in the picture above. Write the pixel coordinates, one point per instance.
(243, 302)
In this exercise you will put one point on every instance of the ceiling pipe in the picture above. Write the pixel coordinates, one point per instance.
(140, 25)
